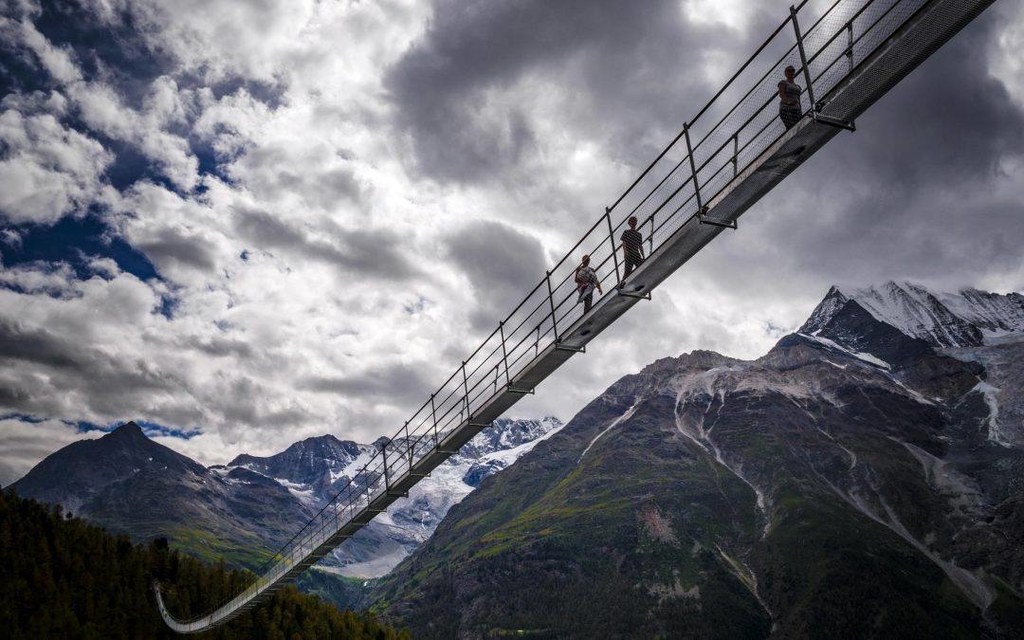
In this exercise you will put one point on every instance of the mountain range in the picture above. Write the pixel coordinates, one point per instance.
(244, 510)
(864, 478)
(127, 483)
(314, 470)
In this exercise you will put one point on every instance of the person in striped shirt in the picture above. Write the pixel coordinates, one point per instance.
(633, 248)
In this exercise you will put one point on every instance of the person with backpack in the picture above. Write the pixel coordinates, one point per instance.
(586, 282)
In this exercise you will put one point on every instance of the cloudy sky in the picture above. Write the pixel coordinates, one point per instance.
(245, 223)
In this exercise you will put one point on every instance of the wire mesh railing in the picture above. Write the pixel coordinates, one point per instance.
(726, 137)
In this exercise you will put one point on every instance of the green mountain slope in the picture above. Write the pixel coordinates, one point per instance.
(705, 497)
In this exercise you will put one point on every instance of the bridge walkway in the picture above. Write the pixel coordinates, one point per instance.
(733, 152)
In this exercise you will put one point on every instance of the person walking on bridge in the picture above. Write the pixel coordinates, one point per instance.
(633, 248)
(586, 282)
(790, 109)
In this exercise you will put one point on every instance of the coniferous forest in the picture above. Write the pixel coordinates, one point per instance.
(63, 578)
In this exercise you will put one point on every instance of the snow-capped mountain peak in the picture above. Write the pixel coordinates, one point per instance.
(315, 469)
(314, 464)
(962, 319)
(393, 535)
(507, 434)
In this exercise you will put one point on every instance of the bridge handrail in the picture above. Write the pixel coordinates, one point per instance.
(454, 401)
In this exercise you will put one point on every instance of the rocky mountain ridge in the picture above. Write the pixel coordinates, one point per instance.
(127, 483)
(247, 508)
(315, 469)
(862, 477)
(966, 318)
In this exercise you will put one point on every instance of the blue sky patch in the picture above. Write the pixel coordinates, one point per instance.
(115, 49)
(21, 417)
(73, 241)
(151, 429)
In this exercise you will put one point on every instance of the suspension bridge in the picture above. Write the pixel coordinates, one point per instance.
(734, 151)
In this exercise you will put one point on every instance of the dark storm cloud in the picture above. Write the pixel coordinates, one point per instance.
(92, 379)
(12, 395)
(949, 121)
(401, 384)
(116, 47)
(364, 252)
(321, 188)
(173, 247)
(243, 404)
(502, 265)
(220, 347)
(941, 133)
(633, 64)
(35, 345)
(917, 192)
(111, 386)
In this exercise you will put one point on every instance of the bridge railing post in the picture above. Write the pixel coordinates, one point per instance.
(384, 463)
(693, 170)
(849, 43)
(735, 154)
(408, 445)
(504, 351)
(611, 239)
(465, 389)
(803, 56)
(433, 418)
(551, 302)
(650, 238)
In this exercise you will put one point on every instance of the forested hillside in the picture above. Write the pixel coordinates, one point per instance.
(63, 578)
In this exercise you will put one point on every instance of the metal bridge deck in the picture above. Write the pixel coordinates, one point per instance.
(875, 43)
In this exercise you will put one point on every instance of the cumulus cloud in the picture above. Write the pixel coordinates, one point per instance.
(501, 263)
(218, 39)
(904, 196)
(25, 443)
(59, 62)
(358, 252)
(341, 199)
(47, 170)
(103, 111)
(491, 86)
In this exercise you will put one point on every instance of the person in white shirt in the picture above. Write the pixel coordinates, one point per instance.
(586, 282)
(790, 109)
